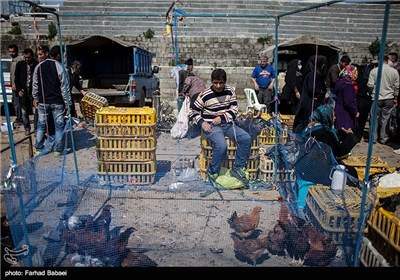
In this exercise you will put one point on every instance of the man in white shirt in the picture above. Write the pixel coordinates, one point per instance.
(389, 89)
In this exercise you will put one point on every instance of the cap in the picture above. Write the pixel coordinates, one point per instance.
(189, 61)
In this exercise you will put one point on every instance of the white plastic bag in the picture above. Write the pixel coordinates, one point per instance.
(181, 127)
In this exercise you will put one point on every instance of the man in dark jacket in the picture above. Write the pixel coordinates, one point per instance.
(23, 84)
(50, 95)
(182, 75)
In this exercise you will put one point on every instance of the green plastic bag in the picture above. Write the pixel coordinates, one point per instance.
(227, 181)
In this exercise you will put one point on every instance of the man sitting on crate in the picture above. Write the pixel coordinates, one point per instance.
(214, 111)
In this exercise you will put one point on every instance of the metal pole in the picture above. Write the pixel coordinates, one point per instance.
(176, 37)
(276, 99)
(373, 118)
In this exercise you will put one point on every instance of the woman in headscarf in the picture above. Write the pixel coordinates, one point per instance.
(313, 93)
(346, 88)
(291, 92)
(341, 141)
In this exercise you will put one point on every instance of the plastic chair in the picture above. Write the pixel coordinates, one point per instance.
(252, 101)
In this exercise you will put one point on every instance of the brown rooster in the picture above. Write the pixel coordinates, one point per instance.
(249, 249)
(245, 225)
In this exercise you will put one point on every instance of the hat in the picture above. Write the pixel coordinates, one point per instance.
(189, 61)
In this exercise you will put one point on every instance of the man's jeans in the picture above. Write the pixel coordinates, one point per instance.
(219, 146)
(265, 96)
(58, 112)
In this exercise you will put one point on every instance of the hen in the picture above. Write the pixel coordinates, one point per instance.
(249, 249)
(276, 243)
(245, 225)
(322, 249)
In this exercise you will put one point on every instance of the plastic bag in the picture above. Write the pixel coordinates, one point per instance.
(180, 128)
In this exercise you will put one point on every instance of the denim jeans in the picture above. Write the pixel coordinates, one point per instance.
(58, 112)
(219, 147)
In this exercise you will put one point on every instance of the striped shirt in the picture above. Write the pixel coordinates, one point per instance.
(212, 104)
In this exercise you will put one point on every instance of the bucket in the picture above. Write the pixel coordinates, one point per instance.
(338, 177)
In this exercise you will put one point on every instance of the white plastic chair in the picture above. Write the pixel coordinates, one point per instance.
(252, 101)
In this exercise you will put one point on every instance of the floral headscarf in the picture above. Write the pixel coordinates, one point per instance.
(349, 72)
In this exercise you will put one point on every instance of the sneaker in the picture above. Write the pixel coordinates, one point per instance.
(397, 151)
(212, 176)
(56, 154)
(37, 153)
(240, 174)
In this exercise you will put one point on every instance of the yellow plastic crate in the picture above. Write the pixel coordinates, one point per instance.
(90, 103)
(370, 257)
(251, 166)
(131, 180)
(267, 136)
(360, 162)
(267, 170)
(125, 130)
(129, 168)
(255, 144)
(115, 116)
(384, 233)
(124, 144)
(126, 155)
(336, 214)
(384, 192)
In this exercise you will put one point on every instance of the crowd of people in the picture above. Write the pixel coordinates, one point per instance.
(43, 88)
(348, 88)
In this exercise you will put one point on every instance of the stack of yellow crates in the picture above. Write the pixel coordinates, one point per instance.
(206, 154)
(126, 145)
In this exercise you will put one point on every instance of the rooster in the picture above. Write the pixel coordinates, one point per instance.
(249, 249)
(245, 225)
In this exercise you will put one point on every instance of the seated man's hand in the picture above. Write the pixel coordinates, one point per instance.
(206, 127)
(216, 121)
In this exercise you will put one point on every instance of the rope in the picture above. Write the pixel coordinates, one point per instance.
(314, 78)
(35, 27)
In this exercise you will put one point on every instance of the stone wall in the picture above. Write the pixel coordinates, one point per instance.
(227, 42)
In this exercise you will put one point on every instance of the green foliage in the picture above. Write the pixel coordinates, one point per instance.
(15, 30)
(264, 40)
(52, 30)
(149, 34)
(172, 61)
(375, 47)
(365, 60)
